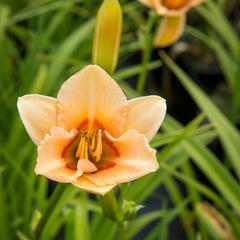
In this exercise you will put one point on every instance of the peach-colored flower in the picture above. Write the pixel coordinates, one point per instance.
(91, 136)
(172, 25)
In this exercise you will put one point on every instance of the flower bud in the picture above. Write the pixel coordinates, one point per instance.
(107, 35)
(130, 209)
(169, 30)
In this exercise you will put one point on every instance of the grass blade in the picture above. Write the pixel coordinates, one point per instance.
(229, 135)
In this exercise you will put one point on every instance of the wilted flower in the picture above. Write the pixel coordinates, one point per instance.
(172, 25)
(91, 136)
(217, 225)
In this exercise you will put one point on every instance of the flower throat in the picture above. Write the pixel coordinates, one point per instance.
(90, 145)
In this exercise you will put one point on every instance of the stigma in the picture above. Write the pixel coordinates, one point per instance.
(90, 145)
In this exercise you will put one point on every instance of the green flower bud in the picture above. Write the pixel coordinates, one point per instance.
(130, 209)
(107, 35)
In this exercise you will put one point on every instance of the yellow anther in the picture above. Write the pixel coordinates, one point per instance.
(93, 136)
(80, 145)
(90, 143)
(98, 151)
(82, 154)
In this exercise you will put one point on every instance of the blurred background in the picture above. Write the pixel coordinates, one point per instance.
(196, 193)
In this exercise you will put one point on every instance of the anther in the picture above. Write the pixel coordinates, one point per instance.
(98, 151)
(90, 143)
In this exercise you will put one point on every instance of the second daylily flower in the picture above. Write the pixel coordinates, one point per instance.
(91, 136)
(172, 25)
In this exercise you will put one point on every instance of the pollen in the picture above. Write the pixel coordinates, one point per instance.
(90, 145)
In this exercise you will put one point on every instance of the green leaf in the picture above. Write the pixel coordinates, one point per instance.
(161, 229)
(229, 135)
(134, 70)
(228, 64)
(172, 125)
(81, 226)
(61, 195)
(176, 198)
(26, 14)
(66, 49)
(5, 232)
(175, 156)
(22, 236)
(215, 17)
(214, 170)
(143, 221)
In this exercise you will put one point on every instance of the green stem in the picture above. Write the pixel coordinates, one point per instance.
(147, 53)
(109, 205)
(58, 191)
(124, 189)
(122, 233)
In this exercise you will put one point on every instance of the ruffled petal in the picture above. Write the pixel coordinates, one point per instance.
(136, 158)
(170, 30)
(92, 95)
(86, 166)
(86, 185)
(145, 115)
(61, 174)
(38, 114)
(50, 162)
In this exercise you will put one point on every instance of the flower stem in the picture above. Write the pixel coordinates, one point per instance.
(147, 52)
(122, 233)
(109, 205)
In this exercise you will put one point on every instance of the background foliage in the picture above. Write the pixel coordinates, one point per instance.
(43, 42)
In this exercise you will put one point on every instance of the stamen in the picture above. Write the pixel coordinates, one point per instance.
(98, 152)
(82, 154)
(78, 152)
(92, 147)
(90, 143)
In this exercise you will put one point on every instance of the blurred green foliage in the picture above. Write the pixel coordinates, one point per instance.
(42, 43)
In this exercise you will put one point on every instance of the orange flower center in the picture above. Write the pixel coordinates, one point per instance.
(175, 4)
(90, 145)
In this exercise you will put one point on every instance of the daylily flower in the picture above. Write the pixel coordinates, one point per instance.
(90, 135)
(172, 25)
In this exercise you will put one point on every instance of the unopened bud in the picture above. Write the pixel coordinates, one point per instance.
(107, 35)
